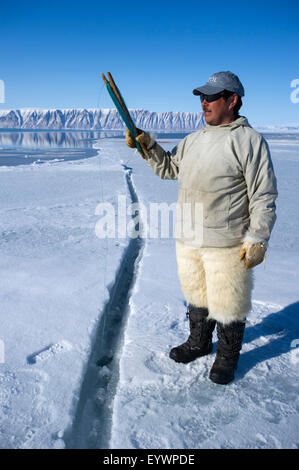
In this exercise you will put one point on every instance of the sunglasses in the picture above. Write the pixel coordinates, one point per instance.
(210, 98)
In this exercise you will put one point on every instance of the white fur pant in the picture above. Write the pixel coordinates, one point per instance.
(215, 278)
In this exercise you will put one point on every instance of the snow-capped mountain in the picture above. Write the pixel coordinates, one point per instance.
(97, 119)
(278, 128)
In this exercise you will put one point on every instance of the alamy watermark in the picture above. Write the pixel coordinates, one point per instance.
(156, 220)
(2, 91)
(295, 351)
(2, 352)
(295, 93)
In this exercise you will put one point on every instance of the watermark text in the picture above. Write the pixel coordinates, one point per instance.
(2, 352)
(2, 91)
(156, 220)
(295, 93)
(295, 351)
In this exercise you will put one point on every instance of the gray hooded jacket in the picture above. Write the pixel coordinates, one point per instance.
(227, 186)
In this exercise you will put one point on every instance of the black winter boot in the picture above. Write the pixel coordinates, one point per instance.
(199, 342)
(229, 345)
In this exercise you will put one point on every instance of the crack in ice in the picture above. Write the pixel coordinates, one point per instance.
(91, 425)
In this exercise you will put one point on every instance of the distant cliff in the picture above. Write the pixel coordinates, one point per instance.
(97, 119)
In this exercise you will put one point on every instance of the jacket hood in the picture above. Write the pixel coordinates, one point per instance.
(240, 121)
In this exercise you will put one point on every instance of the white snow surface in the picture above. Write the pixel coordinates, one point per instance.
(70, 299)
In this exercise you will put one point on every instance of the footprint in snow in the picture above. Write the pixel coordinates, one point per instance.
(49, 352)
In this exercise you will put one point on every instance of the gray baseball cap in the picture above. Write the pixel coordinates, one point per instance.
(221, 81)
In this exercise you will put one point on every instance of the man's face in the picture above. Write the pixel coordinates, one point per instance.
(220, 111)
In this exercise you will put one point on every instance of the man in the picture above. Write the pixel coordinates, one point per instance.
(226, 167)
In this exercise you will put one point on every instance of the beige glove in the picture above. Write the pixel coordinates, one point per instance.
(252, 253)
(142, 138)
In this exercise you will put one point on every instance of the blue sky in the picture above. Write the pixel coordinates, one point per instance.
(53, 53)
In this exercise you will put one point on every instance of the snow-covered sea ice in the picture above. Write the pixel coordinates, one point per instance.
(57, 277)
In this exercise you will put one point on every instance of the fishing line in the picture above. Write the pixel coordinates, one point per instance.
(125, 115)
(106, 248)
(99, 99)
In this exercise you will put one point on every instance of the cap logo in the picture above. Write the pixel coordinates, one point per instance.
(212, 79)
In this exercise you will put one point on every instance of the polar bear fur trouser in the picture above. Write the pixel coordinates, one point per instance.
(215, 278)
